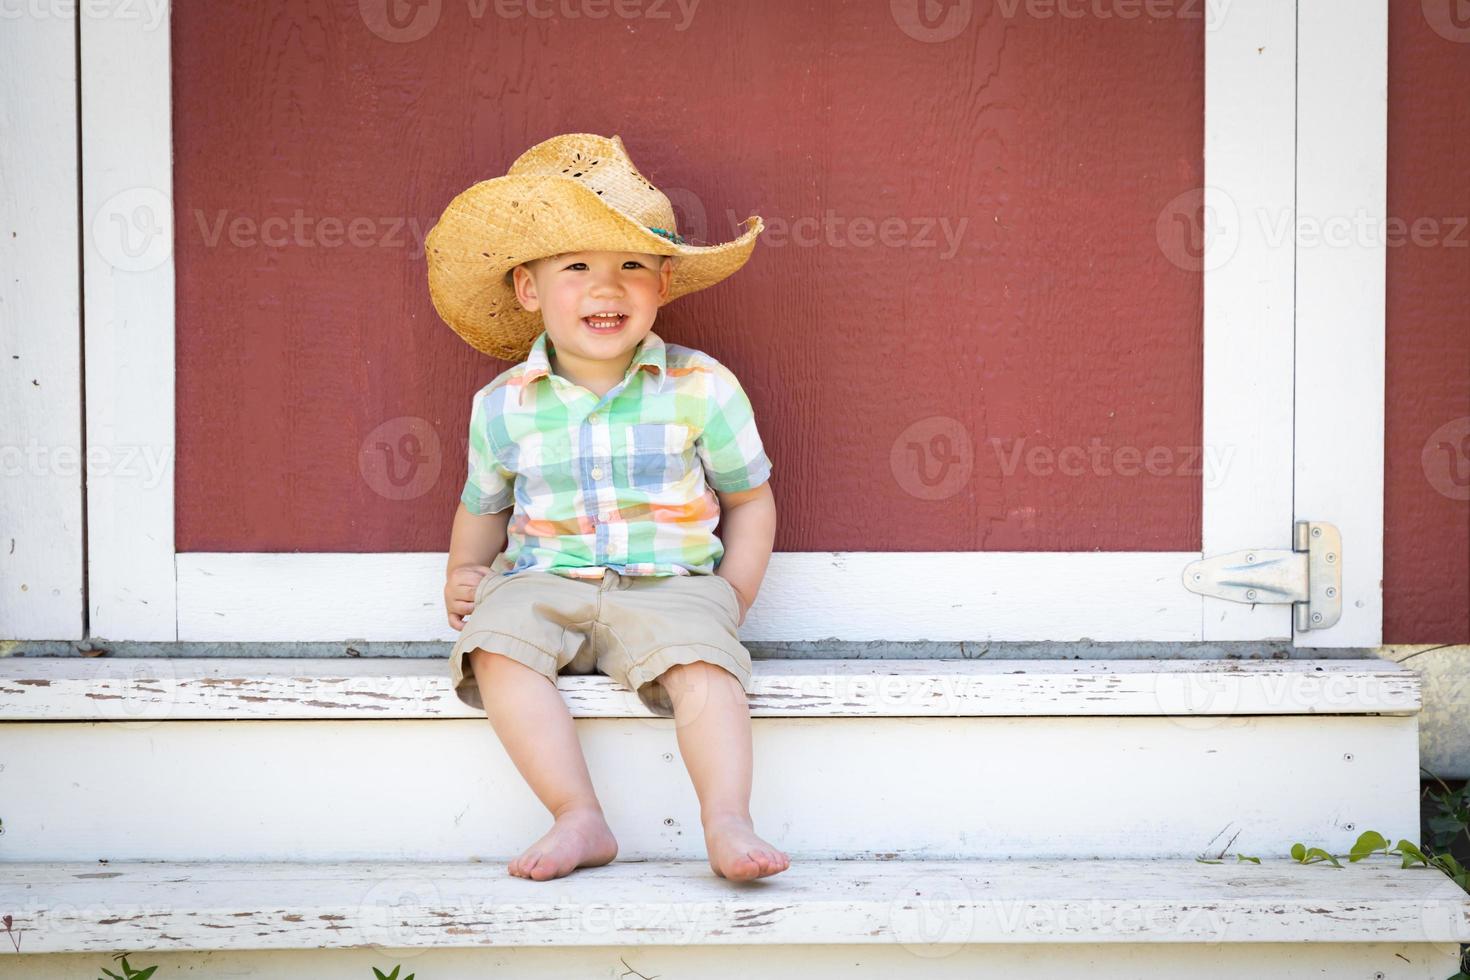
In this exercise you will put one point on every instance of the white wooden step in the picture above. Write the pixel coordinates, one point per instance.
(903, 787)
(120, 689)
(867, 961)
(215, 906)
(1280, 755)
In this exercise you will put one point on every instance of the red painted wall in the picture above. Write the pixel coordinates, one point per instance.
(323, 406)
(1426, 578)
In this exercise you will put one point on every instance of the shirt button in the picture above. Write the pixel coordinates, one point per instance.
(592, 417)
(597, 472)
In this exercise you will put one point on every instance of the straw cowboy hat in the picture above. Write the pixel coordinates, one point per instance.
(573, 193)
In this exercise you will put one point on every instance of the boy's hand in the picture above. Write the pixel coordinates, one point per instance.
(459, 592)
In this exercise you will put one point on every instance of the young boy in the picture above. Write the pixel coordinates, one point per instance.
(601, 465)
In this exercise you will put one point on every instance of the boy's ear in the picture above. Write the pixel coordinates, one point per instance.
(525, 286)
(665, 276)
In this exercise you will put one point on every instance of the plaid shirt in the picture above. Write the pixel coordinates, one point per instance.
(621, 482)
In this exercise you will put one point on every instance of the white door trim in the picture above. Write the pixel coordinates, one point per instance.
(41, 502)
(1249, 414)
(1342, 207)
(941, 596)
(1250, 158)
(128, 290)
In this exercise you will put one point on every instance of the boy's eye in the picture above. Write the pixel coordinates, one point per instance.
(582, 265)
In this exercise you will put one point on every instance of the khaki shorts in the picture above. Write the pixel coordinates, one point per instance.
(630, 627)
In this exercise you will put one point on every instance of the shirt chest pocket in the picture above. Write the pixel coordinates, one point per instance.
(655, 456)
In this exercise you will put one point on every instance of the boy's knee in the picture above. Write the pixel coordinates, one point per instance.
(483, 661)
(700, 673)
(677, 671)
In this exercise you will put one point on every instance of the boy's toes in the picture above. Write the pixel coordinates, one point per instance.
(737, 853)
(754, 863)
(525, 866)
(545, 869)
(742, 867)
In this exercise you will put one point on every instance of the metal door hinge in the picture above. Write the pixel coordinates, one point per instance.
(1309, 576)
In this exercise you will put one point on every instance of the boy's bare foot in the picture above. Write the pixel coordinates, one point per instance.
(736, 853)
(578, 839)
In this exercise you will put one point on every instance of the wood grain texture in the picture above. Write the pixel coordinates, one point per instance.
(1426, 559)
(175, 689)
(202, 906)
(323, 406)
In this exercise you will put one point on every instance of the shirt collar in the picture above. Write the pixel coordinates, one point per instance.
(650, 353)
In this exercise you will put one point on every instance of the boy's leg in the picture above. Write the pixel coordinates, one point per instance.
(533, 723)
(712, 723)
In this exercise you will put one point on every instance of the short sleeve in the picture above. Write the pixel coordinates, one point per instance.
(489, 486)
(730, 446)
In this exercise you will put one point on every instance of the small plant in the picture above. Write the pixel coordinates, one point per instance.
(1450, 816)
(380, 975)
(1220, 860)
(1372, 842)
(1447, 820)
(128, 972)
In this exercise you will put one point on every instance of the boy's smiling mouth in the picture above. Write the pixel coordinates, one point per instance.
(605, 324)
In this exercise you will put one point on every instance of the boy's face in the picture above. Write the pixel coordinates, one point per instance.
(568, 289)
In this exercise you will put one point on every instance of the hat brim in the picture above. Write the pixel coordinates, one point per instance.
(497, 224)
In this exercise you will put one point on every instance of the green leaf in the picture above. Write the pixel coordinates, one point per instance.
(1298, 851)
(1321, 855)
(1368, 842)
(1208, 861)
(1458, 874)
(145, 974)
(1411, 853)
(1247, 857)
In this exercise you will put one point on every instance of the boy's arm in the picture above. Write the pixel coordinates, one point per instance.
(737, 468)
(479, 535)
(748, 532)
(476, 539)
(473, 544)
